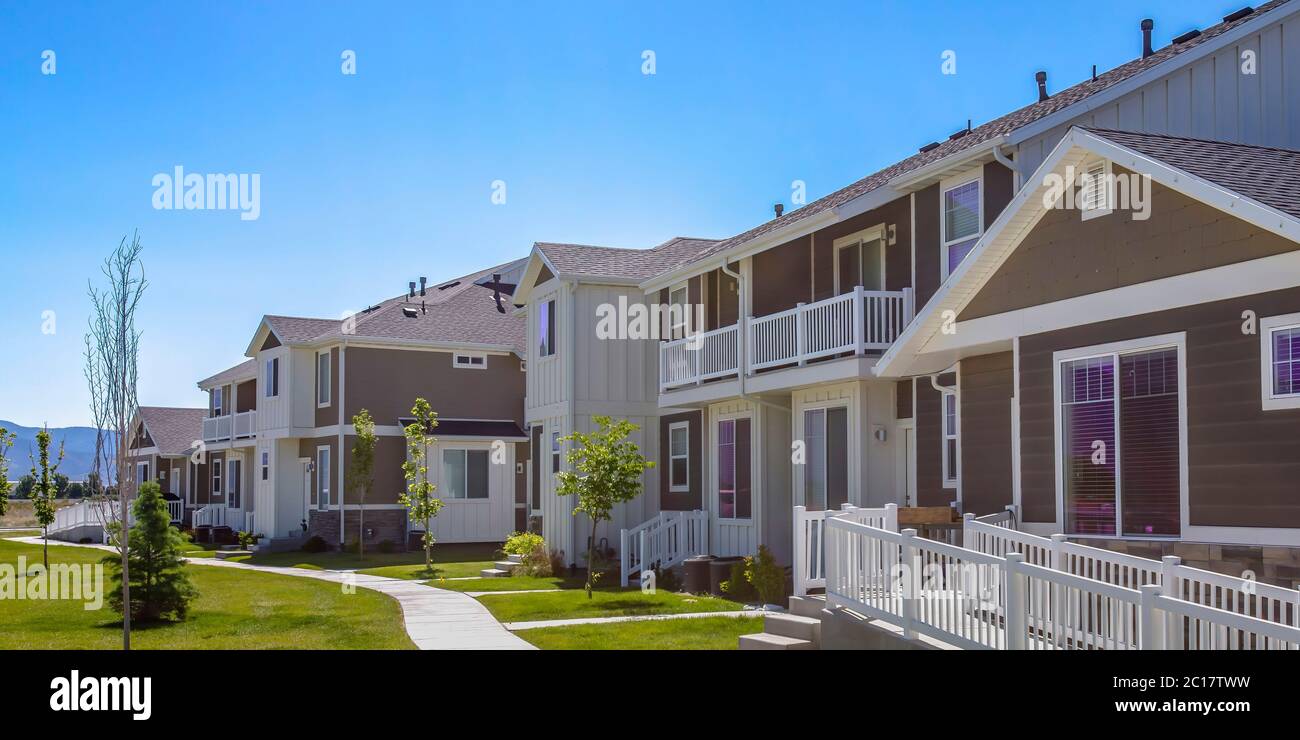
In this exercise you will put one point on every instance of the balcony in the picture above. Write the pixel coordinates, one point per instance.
(231, 426)
(850, 324)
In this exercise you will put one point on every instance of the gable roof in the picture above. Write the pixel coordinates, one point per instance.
(1220, 186)
(586, 261)
(991, 133)
(246, 370)
(173, 430)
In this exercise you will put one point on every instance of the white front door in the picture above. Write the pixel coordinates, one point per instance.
(174, 482)
(732, 486)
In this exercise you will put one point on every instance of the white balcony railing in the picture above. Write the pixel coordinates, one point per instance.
(852, 323)
(245, 425)
(216, 428)
(231, 426)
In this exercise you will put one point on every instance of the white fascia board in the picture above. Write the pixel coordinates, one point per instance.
(936, 170)
(536, 258)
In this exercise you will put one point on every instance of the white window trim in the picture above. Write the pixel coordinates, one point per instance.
(955, 436)
(1177, 340)
(462, 360)
(272, 387)
(141, 477)
(1091, 213)
(945, 185)
(557, 451)
(1267, 326)
(679, 320)
(324, 500)
(329, 380)
(554, 300)
(672, 488)
(217, 401)
(231, 464)
(849, 441)
(214, 483)
(717, 491)
(853, 240)
(466, 499)
(266, 466)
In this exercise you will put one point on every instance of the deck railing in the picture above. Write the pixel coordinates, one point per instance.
(216, 428)
(809, 533)
(246, 424)
(662, 542)
(852, 323)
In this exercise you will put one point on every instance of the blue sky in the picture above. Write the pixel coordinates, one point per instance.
(368, 181)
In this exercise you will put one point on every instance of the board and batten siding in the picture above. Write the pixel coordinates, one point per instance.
(474, 520)
(547, 377)
(1208, 99)
(612, 370)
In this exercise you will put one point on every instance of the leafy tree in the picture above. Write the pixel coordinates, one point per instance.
(605, 471)
(61, 484)
(418, 497)
(7, 439)
(75, 490)
(361, 476)
(158, 585)
(43, 492)
(25, 486)
(94, 486)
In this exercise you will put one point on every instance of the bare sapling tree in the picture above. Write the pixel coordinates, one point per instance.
(112, 369)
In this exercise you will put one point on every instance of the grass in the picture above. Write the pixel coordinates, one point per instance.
(20, 512)
(450, 561)
(605, 602)
(705, 633)
(236, 609)
(21, 533)
(512, 583)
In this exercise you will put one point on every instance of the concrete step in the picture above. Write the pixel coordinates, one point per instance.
(791, 625)
(807, 606)
(515, 558)
(764, 641)
(493, 573)
(506, 565)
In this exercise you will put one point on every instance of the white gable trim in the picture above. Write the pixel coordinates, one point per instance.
(1019, 218)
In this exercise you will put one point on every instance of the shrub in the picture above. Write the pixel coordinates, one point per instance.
(315, 544)
(666, 579)
(523, 543)
(160, 585)
(387, 547)
(558, 568)
(535, 564)
(767, 578)
(737, 586)
(85, 541)
(248, 539)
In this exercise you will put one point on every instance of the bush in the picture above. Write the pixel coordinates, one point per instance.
(767, 578)
(536, 564)
(315, 544)
(248, 539)
(666, 579)
(558, 568)
(737, 585)
(160, 585)
(523, 543)
(387, 547)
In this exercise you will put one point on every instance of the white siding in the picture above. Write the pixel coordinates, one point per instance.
(273, 412)
(476, 520)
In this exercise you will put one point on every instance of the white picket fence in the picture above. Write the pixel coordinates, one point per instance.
(978, 600)
(662, 542)
(1243, 596)
(809, 560)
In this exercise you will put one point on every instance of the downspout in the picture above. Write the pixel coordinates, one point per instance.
(741, 331)
(571, 362)
(1005, 161)
(341, 485)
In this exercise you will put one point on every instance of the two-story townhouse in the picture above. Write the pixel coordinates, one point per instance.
(279, 431)
(779, 402)
(163, 441)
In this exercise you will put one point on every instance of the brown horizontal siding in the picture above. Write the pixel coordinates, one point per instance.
(782, 277)
(987, 384)
(929, 440)
(903, 399)
(693, 498)
(386, 382)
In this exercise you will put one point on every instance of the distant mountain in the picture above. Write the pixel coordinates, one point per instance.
(78, 449)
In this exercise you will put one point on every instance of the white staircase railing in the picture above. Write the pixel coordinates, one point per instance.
(176, 509)
(662, 542)
(809, 555)
(1238, 595)
(212, 515)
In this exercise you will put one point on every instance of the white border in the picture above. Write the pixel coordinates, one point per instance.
(871, 233)
(672, 488)
(323, 489)
(976, 174)
(1267, 326)
(457, 356)
(329, 369)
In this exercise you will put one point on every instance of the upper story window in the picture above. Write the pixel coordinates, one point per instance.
(860, 260)
(216, 401)
(961, 219)
(555, 452)
(677, 311)
(546, 328)
(323, 378)
(272, 379)
(476, 360)
(679, 456)
(1280, 361)
(951, 447)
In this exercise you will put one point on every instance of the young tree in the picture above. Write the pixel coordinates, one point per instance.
(606, 470)
(45, 489)
(361, 476)
(112, 368)
(7, 439)
(418, 497)
(159, 588)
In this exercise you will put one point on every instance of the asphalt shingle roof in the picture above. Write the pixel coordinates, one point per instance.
(1265, 174)
(585, 260)
(174, 430)
(244, 369)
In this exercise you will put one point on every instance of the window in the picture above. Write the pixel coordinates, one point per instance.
(191, 489)
(1120, 443)
(546, 328)
(951, 449)
(826, 462)
(678, 312)
(679, 456)
(323, 378)
(961, 222)
(322, 478)
(555, 452)
(216, 477)
(235, 467)
(1279, 381)
(465, 474)
(141, 473)
(216, 402)
(1095, 195)
(272, 379)
(266, 465)
(734, 492)
(860, 260)
(475, 360)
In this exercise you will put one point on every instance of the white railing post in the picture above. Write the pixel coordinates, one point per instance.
(799, 339)
(968, 532)
(1058, 560)
(910, 566)
(641, 561)
(1059, 600)
(1295, 609)
(801, 554)
(891, 517)
(624, 560)
(1151, 620)
(1017, 628)
(1169, 565)
(909, 306)
(859, 321)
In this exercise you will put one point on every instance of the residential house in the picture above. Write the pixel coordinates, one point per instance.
(163, 441)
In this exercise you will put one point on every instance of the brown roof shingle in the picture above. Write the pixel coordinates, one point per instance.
(174, 430)
(584, 260)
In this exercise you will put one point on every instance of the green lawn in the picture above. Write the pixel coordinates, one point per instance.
(513, 583)
(705, 633)
(21, 533)
(235, 609)
(450, 561)
(609, 602)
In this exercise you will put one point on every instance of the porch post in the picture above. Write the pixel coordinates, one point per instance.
(799, 333)
(1169, 565)
(1017, 629)
(1151, 620)
(910, 573)
(623, 560)
(800, 552)
(859, 321)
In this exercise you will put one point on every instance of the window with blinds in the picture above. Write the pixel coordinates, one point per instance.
(1286, 362)
(961, 223)
(1120, 444)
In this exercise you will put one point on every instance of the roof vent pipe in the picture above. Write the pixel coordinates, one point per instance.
(1147, 26)
(1041, 78)
(779, 208)
(423, 281)
(410, 289)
